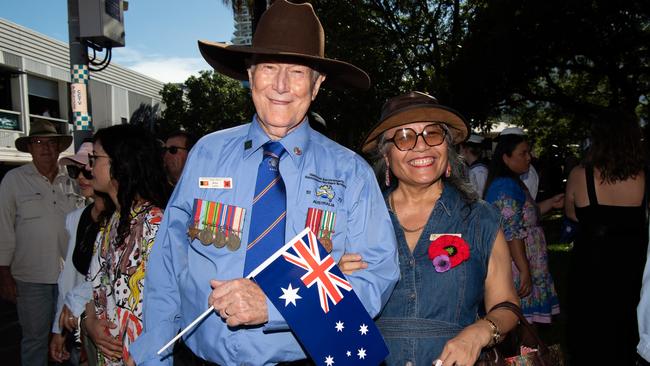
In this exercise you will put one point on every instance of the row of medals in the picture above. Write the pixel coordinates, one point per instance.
(216, 237)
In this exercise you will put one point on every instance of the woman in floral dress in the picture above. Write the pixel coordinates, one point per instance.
(127, 165)
(521, 224)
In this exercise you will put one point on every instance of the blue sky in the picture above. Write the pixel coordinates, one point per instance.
(161, 35)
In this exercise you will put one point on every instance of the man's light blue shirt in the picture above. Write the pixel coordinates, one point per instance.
(178, 271)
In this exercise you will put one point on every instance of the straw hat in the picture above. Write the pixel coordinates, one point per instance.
(43, 128)
(285, 31)
(416, 107)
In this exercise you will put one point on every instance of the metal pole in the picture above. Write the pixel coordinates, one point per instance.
(80, 76)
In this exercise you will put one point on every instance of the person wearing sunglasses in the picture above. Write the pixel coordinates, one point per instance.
(34, 200)
(454, 260)
(82, 226)
(177, 146)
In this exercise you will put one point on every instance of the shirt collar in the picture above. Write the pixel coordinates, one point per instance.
(295, 143)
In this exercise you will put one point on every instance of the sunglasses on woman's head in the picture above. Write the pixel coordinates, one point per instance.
(74, 171)
(173, 149)
(406, 138)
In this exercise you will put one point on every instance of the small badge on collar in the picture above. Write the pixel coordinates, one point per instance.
(433, 237)
(215, 182)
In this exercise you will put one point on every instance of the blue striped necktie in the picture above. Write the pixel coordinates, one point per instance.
(268, 218)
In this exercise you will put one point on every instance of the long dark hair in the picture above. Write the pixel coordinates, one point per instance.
(137, 166)
(616, 148)
(498, 168)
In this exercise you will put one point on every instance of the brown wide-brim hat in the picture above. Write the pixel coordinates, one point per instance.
(289, 32)
(416, 107)
(43, 128)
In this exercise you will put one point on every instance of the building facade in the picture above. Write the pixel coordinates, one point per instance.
(35, 83)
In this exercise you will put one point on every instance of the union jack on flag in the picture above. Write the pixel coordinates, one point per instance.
(318, 270)
(328, 319)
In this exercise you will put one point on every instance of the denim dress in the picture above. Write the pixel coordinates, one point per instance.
(427, 308)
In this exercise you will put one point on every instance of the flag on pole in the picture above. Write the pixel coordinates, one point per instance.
(306, 286)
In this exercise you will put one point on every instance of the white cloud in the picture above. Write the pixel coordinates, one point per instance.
(165, 69)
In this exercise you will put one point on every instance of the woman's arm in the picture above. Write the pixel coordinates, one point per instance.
(569, 196)
(556, 201)
(465, 348)
(517, 249)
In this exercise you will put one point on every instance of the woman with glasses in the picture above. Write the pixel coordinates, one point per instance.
(127, 165)
(453, 257)
(82, 227)
(521, 221)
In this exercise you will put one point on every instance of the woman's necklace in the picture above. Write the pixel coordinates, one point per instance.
(391, 203)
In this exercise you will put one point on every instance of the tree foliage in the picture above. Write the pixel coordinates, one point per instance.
(204, 104)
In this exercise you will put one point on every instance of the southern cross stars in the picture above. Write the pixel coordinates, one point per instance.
(361, 353)
(339, 326)
(329, 360)
(290, 295)
(363, 329)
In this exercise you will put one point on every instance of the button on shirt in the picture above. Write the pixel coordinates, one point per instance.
(178, 272)
(32, 222)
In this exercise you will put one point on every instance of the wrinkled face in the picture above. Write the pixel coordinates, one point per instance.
(175, 156)
(101, 167)
(44, 150)
(519, 161)
(421, 166)
(282, 94)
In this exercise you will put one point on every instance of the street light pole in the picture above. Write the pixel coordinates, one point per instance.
(80, 76)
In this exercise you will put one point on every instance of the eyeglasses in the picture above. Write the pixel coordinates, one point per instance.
(74, 171)
(173, 149)
(92, 157)
(406, 138)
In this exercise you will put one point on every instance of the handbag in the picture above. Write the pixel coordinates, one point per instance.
(510, 352)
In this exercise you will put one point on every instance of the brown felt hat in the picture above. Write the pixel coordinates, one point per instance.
(43, 128)
(285, 31)
(416, 107)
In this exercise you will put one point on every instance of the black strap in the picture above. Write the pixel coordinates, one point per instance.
(591, 187)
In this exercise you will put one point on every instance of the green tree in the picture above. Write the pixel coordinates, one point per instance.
(204, 103)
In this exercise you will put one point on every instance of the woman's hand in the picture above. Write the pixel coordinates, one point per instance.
(465, 348)
(98, 331)
(525, 284)
(556, 201)
(351, 262)
(57, 348)
(67, 320)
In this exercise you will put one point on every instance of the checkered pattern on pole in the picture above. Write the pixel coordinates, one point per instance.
(80, 74)
(82, 121)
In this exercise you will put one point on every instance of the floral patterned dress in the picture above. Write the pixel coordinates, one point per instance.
(521, 220)
(117, 274)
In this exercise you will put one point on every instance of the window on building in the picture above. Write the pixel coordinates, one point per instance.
(9, 116)
(43, 97)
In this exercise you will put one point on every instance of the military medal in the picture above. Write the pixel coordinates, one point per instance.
(193, 232)
(322, 223)
(233, 242)
(205, 236)
(219, 239)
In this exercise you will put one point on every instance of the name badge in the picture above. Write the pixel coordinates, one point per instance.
(436, 236)
(215, 182)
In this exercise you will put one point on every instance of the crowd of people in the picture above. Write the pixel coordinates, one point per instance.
(110, 253)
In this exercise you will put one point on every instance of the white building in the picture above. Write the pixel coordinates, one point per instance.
(35, 83)
(243, 34)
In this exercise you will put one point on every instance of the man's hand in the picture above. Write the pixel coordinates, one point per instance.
(239, 302)
(67, 320)
(99, 333)
(57, 348)
(7, 285)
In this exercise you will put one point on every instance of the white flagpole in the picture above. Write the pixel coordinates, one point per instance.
(198, 319)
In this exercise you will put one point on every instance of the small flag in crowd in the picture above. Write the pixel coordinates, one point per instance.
(306, 286)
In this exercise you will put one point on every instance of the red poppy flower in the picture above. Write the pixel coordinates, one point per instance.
(451, 246)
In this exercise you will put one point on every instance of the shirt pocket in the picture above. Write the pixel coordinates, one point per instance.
(29, 206)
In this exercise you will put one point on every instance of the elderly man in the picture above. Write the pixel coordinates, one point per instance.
(177, 147)
(34, 200)
(202, 257)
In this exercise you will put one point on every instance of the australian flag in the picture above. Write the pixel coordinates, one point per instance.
(305, 284)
